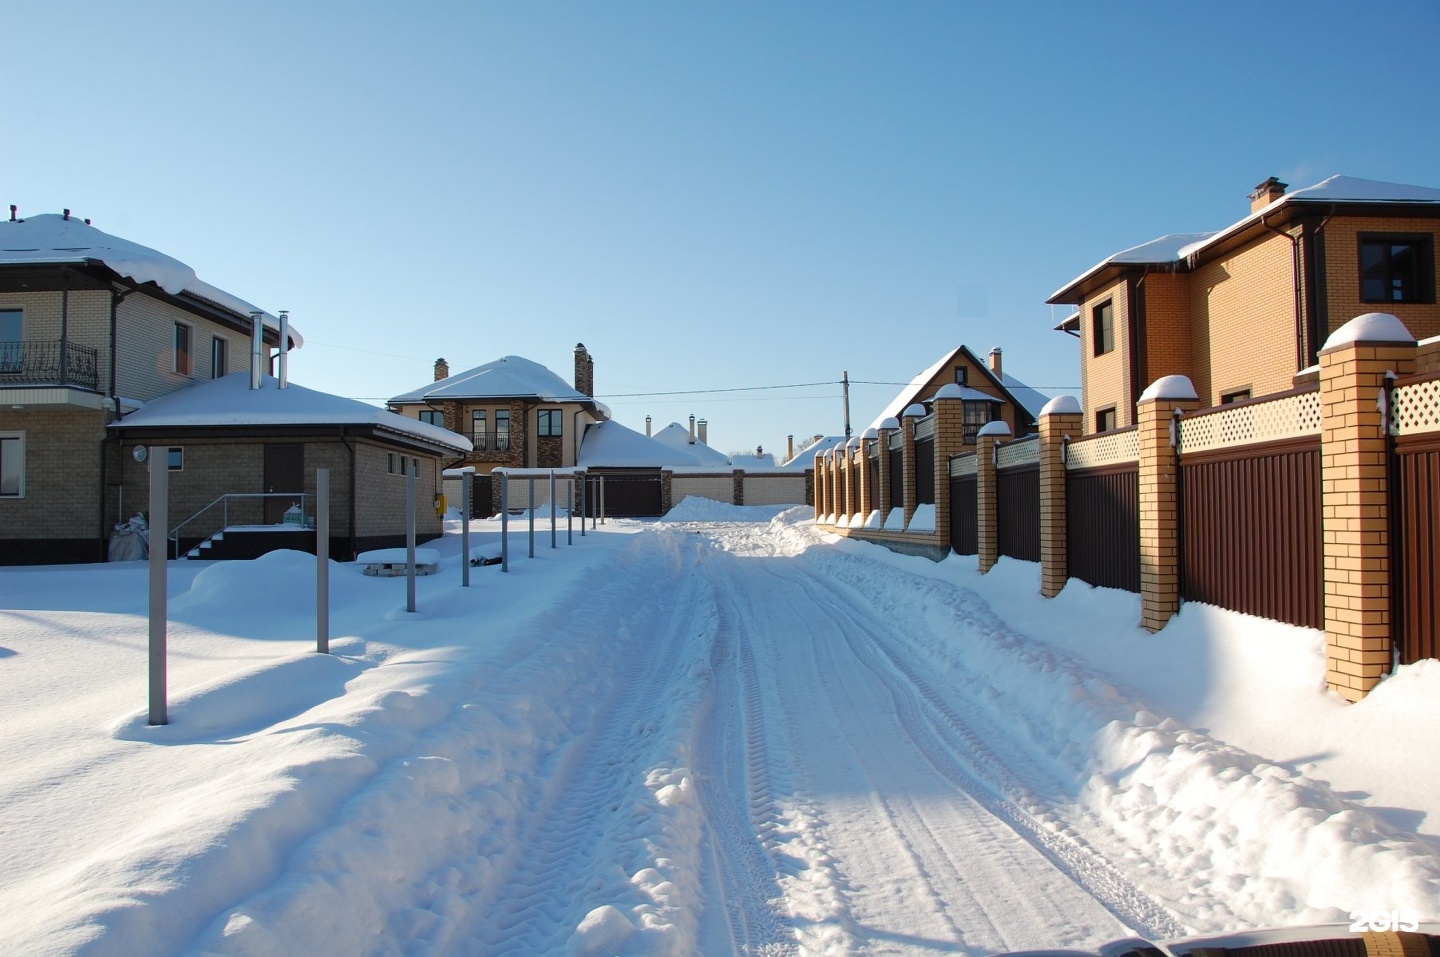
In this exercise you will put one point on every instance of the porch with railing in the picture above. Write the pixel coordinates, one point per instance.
(56, 362)
(242, 512)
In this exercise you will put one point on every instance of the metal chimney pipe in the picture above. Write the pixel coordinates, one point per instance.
(703, 430)
(789, 447)
(257, 333)
(284, 348)
(692, 430)
(647, 427)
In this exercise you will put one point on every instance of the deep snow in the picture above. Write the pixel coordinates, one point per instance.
(726, 732)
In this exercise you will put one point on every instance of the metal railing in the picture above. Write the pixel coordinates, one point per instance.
(490, 441)
(49, 362)
(240, 508)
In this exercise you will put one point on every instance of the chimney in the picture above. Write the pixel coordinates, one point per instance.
(647, 427)
(284, 348)
(584, 371)
(692, 430)
(442, 369)
(1266, 193)
(703, 429)
(996, 366)
(789, 447)
(257, 335)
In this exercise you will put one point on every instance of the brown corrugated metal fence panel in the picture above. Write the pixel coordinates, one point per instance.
(964, 532)
(925, 472)
(1417, 498)
(874, 469)
(897, 478)
(1250, 531)
(1017, 507)
(627, 494)
(1103, 526)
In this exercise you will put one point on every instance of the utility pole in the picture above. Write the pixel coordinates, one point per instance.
(845, 381)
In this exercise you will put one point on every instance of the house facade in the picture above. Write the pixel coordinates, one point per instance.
(1244, 312)
(988, 394)
(92, 327)
(515, 412)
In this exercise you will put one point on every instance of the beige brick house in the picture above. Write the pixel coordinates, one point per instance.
(989, 394)
(516, 412)
(1245, 311)
(93, 326)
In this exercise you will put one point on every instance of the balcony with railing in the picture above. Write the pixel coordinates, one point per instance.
(49, 362)
(490, 441)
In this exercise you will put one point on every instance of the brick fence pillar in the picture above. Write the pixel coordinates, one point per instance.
(819, 485)
(987, 497)
(949, 442)
(1355, 498)
(833, 462)
(882, 487)
(1159, 498)
(737, 490)
(1061, 418)
(865, 502)
(847, 475)
(908, 493)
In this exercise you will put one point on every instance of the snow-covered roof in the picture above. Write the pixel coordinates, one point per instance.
(506, 377)
(51, 239)
(609, 444)
(229, 401)
(677, 436)
(1178, 247)
(805, 457)
(1028, 398)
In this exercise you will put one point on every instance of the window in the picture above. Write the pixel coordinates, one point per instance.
(1397, 268)
(1238, 395)
(1102, 327)
(432, 417)
(390, 462)
(175, 459)
(219, 358)
(182, 349)
(550, 422)
(977, 414)
(960, 372)
(478, 434)
(502, 429)
(12, 340)
(1105, 420)
(12, 464)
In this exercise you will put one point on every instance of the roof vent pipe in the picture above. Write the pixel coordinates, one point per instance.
(256, 332)
(67, 216)
(692, 430)
(789, 447)
(12, 212)
(647, 427)
(284, 348)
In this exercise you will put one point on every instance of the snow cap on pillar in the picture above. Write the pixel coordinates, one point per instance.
(890, 423)
(917, 411)
(1062, 405)
(1176, 388)
(1371, 327)
(994, 428)
(949, 390)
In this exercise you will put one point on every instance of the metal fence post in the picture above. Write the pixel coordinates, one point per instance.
(504, 522)
(531, 502)
(552, 509)
(465, 482)
(410, 478)
(322, 561)
(159, 552)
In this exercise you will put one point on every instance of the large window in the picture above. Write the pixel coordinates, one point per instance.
(12, 340)
(1102, 322)
(502, 429)
(479, 437)
(977, 415)
(183, 363)
(1398, 268)
(550, 422)
(12, 464)
(432, 417)
(219, 358)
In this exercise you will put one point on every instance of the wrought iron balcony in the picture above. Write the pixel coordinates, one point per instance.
(42, 362)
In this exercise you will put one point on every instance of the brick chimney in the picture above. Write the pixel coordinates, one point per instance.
(996, 366)
(1266, 193)
(702, 429)
(584, 371)
(442, 369)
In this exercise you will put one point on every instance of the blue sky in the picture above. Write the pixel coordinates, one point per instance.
(710, 196)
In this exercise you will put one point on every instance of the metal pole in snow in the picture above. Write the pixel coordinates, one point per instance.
(584, 499)
(531, 500)
(465, 483)
(570, 512)
(552, 509)
(322, 561)
(159, 551)
(410, 478)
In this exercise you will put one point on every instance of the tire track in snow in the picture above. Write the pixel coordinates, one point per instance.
(960, 755)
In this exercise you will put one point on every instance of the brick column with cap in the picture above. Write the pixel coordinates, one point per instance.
(865, 500)
(949, 442)
(987, 498)
(909, 495)
(1355, 499)
(882, 487)
(1159, 498)
(1061, 418)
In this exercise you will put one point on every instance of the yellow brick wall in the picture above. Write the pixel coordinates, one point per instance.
(1167, 326)
(1104, 379)
(62, 475)
(1342, 274)
(1243, 322)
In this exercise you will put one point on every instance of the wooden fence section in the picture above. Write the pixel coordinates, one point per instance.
(1103, 533)
(1250, 530)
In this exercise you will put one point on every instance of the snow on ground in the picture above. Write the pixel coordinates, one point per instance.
(725, 732)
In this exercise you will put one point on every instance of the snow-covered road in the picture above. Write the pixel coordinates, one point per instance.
(718, 734)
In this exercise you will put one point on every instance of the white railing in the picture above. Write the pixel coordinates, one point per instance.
(1021, 452)
(1416, 408)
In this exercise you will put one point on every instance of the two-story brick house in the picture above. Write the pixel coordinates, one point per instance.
(1245, 310)
(989, 393)
(516, 412)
